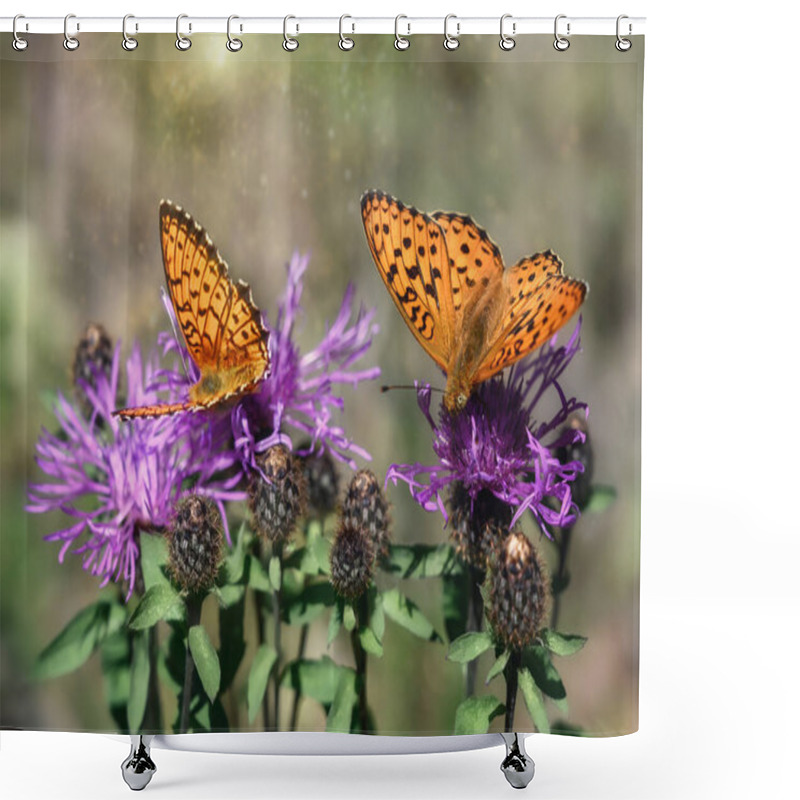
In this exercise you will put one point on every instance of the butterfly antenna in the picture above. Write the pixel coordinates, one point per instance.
(167, 304)
(407, 386)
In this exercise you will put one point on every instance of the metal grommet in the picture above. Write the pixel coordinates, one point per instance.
(451, 42)
(400, 42)
(345, 42)
(290, 43)
(507, 42)
(561, 44)
(18, 43)
(128, 42)
(70, 42)
(233, 44)
(182, 42)
(623, 45)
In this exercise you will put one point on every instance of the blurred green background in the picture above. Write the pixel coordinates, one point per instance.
(271, 152)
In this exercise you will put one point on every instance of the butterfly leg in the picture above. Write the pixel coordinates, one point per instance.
(138, 768)
(517, 766)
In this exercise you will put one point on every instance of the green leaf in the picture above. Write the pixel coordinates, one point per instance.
(228, 595)
(370, 642)
(115, 663)
(538, 661)
(275, 573)
(258, 678)
(336, 620)
(308, 604)
(153, 559)
(469, 646)
(317, 679)
(79, 639)
(455, 599)
(321, 548)
(475, 714)
(257, 576)
(140, 680)
(601, 498)
(340, 714)
(498, 666)
(377, 617)
(562, 644)
(348, 617)
(302, 559)
(533, 700)
(233, 566)
(406, 614)
(159, 602)
(231, 641)
(421, 560)
(205, 659)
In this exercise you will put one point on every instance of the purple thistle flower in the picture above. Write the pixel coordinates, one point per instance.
(301, 390)
(119, 478)
(496, 442)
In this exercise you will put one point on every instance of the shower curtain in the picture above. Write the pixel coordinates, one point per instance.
(320, 385)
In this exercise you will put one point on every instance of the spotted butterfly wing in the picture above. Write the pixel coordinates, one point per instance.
(538, 300)
(411, 256)
(490, 316)
(221, 326)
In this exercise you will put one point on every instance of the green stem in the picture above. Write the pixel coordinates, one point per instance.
(277, 552)
(360, 656)
(262, 638)
(152, 711)
(564, 539)
(474, 621)
(194, 605)
(512, 682)
(301, 649)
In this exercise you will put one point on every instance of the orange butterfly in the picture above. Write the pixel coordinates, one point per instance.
(221, 326)
(447, 278)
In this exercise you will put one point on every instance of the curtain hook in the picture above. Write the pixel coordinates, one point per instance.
(623, 45)
(290, 43)
(451, 42)
(128, 42)
(400, 42)
(561, 43)
(70, 42)
(507, 42)
(18, 43)
(345, 42)
(182, 42)
(233, 44)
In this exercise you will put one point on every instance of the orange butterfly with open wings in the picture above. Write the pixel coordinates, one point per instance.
(221, 326)
(447, 278)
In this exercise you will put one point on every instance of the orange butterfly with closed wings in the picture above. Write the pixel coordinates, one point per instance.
(221, 326)
(446, 276)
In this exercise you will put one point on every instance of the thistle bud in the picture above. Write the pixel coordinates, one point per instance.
(322, 480)
(479, 526)
(519, 593)
(352, 561)
(365, 509)
(578, 451)
(93, 357)
(278, 501)
(195, 543)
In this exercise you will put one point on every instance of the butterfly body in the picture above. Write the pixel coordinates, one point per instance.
(446, 276)
(221, 326)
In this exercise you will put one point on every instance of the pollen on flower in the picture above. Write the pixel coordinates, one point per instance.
(195, 543)
(365, 508)
(278, 497)
(519, 593)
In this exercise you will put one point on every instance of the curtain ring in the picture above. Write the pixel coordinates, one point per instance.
(345, 42)
(400, 42)
(182, 42)
(507, 42)
(451, 42)
(128, 42)
(70, 42)
(623, 45)
(233, 44)
(290, 43)
(561, 43)
(18, 43)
